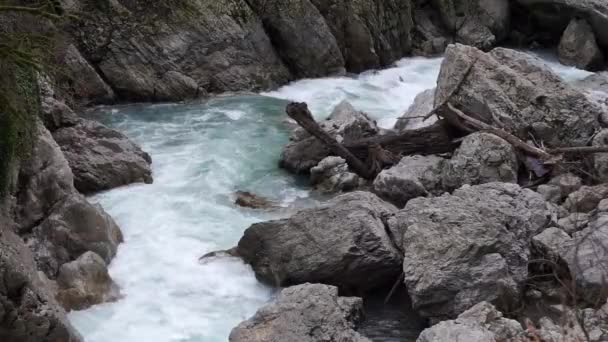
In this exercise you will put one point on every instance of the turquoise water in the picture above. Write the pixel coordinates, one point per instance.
(202, 153)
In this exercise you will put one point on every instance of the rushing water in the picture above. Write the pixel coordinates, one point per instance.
(202, 153)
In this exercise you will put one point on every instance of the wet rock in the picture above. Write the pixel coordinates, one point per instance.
(232, 252)
(370, 34)
(219, 45)
(28, 310)
(343, 242)
(102, 158)
(73, 227)
(301, 36)
(468, 247)
(250, 200)
(579, 48)
(413, 177)
(412, 118)
(305, 151)
(481, 323)
(304, 313)
(586, 198)
(519, 93)
(600, 160)
(481, 158)
(332, 175)
(477, 23)
(85, 282)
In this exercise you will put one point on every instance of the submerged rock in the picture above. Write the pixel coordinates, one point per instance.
(343, 242)
(305, 151)
(518, 93)
(579, 48)
(304, 313)
(28, 310)
(85, 282)
(250, 200)
(481, 323)
(481, 158)
(413, 177)
(102, 158)
(468, 247)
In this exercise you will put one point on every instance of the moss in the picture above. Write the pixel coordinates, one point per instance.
(19, 106)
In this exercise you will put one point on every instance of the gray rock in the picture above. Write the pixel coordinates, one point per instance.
(481, 158)
(45, 179)
(57, 114)
(481, 323)
(102, 158)
(600, 160)
(370, 34)
(586, 198)
(413, 177)
(602, 207)
(468, 247)
(423, 104)
(72, 228)
(343, 242)
(568, 328)
(579, 48)
(596, 88)
(519, 93)
(574, 222)
(304, 313)
(247, 199)
(332, 175)
(549, 242)
(567, 183)
(85, 282)
(81, 80)
(28, 310)
(219, 45)
(301, 36)
(551, 193)
(430, 36)
(477, 23)
(305, 151)
(555, 15)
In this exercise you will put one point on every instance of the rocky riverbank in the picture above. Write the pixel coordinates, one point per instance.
(480, 237)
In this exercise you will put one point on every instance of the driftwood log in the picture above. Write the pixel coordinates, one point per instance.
(368, 156)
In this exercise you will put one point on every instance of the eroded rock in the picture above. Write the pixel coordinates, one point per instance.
(102, 158)
(468, 247)
(343, 242)
(304, 313)
(579, 48)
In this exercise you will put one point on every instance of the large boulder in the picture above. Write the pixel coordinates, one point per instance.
(413, 118)
(579, 48)
(555, 15)
(481, 323)
(342, 242)
(102, 158)
(74, 227)
(468, 247)
(304, 313)
(301, 36)
(85, 282)
(479, 23)
(305, 151)
(519, 93)
(585, 255)
(190, 48)
(481, 158)
(413, 177)
(370, 34)
(28, 310)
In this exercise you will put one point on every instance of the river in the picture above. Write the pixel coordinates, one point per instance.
(202, 153)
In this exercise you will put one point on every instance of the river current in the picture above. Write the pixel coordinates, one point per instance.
(202, 153)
